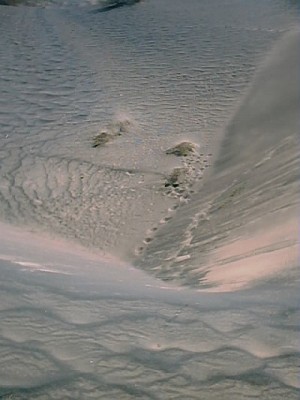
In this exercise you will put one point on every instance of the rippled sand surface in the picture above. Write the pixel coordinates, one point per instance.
(210, 309)
(77, 325)
(173, 72)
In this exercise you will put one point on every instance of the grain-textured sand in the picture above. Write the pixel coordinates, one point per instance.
(210, 309)
(78, 325)
(68, 73)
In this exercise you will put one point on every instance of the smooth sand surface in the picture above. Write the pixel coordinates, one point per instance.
(38, 253)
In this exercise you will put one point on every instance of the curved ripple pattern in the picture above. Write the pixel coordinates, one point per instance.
(58, 342)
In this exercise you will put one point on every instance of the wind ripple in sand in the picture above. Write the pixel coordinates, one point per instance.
(59, 342)
(69, 73)
(91, 329)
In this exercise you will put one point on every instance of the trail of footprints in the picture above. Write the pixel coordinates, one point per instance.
(179, 183)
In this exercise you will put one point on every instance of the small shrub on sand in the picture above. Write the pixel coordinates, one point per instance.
(101, 139)
(176, 177)
(111, 132)
(182, 149)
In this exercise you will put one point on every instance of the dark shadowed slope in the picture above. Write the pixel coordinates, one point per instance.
(113, 4)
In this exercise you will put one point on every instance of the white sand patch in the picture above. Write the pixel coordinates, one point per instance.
(39, 252)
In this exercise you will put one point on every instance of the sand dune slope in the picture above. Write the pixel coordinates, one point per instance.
(243, 224)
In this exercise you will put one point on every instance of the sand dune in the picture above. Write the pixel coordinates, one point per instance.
(69, 75)
(78, 321)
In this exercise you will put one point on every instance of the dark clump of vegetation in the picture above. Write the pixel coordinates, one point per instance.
(113, 4)
(176, 177)
(182, 149)
(111, 132)
(101, 139)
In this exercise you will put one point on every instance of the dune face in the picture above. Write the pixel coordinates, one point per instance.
(160, 136)
(244, 225)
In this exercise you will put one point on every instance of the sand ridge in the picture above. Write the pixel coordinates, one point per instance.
(242, 226)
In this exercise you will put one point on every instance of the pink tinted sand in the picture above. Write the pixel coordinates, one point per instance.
(268, 252)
